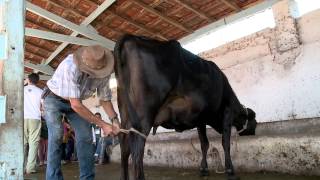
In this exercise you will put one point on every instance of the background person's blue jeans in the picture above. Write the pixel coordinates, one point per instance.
(102, 146)
(54, 107)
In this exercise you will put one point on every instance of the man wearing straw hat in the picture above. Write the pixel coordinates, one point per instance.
(78, 77)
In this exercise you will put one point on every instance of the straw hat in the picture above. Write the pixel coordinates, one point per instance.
(96, 60)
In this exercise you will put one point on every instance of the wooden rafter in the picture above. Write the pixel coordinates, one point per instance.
(100, 22)
(29, 45)
(66, 9)
(231, 4)
(156, 3)
(139, 31)
(202, 15)
(165, 18)
(100, 26)
(34, 56)
(38, 67)
(138, 25)
(31, 22)
(60, 37)
(32, 44)
(175, 10)
(70, 25)
(85, 22)
(42, 43)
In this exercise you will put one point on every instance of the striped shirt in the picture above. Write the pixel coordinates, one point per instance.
(69, 82)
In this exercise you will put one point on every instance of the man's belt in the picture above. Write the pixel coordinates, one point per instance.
(48, 92)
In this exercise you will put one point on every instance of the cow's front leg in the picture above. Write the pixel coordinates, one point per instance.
(137, 144)
(125, 152)
(227, 123)
(204, 148)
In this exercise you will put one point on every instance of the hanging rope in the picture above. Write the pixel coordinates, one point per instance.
(127, 131)
(245, 126)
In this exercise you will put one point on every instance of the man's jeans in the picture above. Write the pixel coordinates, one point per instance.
(54, 107)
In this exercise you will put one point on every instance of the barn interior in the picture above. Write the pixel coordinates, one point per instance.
(273, 68)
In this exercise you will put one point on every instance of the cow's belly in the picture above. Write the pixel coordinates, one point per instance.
(180, 112)
(179, 125)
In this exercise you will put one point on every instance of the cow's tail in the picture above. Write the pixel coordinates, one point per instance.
(136, 142)
(122, 73)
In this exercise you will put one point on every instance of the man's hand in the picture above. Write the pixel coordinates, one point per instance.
(107, 129)
(115, 128)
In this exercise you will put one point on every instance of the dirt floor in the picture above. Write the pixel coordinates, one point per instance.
(112, 172)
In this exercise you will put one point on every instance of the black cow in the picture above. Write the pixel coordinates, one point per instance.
(162, 84)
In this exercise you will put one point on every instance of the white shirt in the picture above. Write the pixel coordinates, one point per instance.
(69, 82)
(32, 99)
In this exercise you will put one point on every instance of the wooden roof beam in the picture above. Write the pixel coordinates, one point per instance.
(156, 3)
(139, 26)
(66, 9)
(60, 37)
(36, 56)
(202, 15)
(40, 67)
(85, 22)
(169, 20)
(43, 48)
(104, 24)
(38, 26)
(70, 25)
(36, 52)
(231, 4)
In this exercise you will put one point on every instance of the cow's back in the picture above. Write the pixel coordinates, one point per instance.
(150, 73)
(206, 78)
(146, 70)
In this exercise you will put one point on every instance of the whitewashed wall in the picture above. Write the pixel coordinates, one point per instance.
(276, 71)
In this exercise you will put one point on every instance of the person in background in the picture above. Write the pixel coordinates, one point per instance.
(64, 140)
(97, 132)
(94, 141)
(32, 121)
(103, 150)
(78, 77)
(70, 145)
(43, 146)
(67, 146)
(98, 144)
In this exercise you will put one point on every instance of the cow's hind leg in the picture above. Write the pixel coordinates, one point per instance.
(227, 123)
(137, 144)
(125, 152)
(204, 148)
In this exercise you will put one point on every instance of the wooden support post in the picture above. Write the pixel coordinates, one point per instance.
(11, 131)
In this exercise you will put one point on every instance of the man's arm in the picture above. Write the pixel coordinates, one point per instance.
(85, 113)
(108, 108)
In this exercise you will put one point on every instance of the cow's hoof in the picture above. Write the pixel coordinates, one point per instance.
(233, 177)
(204, 172)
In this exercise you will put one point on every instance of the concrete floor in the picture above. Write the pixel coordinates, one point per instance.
(112, 172)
